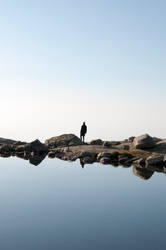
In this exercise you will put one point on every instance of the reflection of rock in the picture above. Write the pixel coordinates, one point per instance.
(155, 161)
(82, 163)
(143, 142)
(5, 155)
(103, 154)
(36, 159)
(142, 172)
(105, 160)
(139, 161)
(63, 141)
(87, 160)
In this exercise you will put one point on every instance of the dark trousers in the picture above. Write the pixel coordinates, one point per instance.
(82, 137)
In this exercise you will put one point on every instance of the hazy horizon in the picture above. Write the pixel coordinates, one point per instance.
(65, 62)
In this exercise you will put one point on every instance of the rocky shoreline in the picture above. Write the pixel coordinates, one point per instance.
(147, 154)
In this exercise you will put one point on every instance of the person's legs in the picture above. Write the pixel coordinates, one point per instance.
(83, 138)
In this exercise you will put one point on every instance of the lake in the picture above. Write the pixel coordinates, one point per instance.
(60, 205)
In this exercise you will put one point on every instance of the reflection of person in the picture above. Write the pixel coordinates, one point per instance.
(82, 163)
(83, 131)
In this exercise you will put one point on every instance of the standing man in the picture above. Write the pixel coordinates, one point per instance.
(83, 131)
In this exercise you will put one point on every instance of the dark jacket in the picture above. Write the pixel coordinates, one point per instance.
(83, 130)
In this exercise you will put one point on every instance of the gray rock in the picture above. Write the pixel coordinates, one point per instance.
(133, 160)
(64, 141)
(36, 159)
(96, 142)
(5, 148)
(6, 141)
(131, 139)
(20, 148)
(143, 142)
(107, 144)
(125, 147)
(139, 161)
(123, 159)
(155, 161)
(51, 154)
(87, 160)
(115, 143)
(85, 154)
(155, 139)
(38, 147)
(103, 154)
(105, 160)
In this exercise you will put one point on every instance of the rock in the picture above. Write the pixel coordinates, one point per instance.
(103, 154)
(107, 144)
(131, 139)
(19, 143)
(5, 155)
(140, 161)
(155, 161)
(64, 141)
(85, 154)
(38, 147)
(51, 154)
(36, 159)
(133, 160)
(6, 141)
(87, 160)
(143, 142)
(5, 148)
(123, 159)
(115, 143)
(105, 160)
(143, 173)
(125, 147)
(155, 139)
(20, 148)
(96, 142)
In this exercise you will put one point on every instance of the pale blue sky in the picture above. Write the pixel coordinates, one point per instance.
(63, 62)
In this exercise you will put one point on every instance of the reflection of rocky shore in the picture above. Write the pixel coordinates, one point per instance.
(147, 154)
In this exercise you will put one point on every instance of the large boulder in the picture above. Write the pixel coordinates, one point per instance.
(63, 141)
(38, 147)
(144, 142)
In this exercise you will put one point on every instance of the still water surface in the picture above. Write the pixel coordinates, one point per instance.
(60, 206)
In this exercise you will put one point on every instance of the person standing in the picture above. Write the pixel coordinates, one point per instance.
(83, 131)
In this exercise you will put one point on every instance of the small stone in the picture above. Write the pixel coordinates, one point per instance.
(105, 160)
(96, 142)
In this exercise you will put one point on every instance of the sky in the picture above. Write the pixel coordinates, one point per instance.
(66, 62)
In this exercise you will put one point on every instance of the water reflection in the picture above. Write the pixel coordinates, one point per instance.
(139, 171)
(143, 173)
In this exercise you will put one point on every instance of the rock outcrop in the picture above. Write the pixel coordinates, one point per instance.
(144, 142)
(63, 141)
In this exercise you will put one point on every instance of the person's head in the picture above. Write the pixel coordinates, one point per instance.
(83, 123)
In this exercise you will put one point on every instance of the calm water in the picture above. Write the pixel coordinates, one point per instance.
(58, 206)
